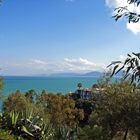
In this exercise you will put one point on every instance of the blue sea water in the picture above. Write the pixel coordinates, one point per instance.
(50, 84)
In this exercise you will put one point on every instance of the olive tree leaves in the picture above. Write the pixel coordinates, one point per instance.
(120, 12)
(137, 2)
(130, 67)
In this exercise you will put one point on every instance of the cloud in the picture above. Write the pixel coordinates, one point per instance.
(134, 27)
(82, 65)
(66, 65)
(79, 61)
(38, 66)
(111, 3)
(43, 66)
(37, 61)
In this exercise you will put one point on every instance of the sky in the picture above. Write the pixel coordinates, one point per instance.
(52, 36)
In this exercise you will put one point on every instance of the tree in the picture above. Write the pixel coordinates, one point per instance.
(131, 65)
(117, 111)
(15, 102)
(79, 85)
(63, 114)
(22, 103)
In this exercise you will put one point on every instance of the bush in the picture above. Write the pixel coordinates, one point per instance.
(5, 135)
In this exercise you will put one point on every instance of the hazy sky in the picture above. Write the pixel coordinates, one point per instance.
(46, 36)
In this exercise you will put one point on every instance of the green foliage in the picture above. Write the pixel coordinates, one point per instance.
(22, 103)
(91, 133)
(65, 134)
(63, 114)
(61, 109)
(124, 12)
(79, 85)
(137, 2)
(15, 102)
(118, 110)
(5, 135)
(58, 113)
(36, 128)
(87, 107)
(24, 117)
(32, 127)
(130, 66)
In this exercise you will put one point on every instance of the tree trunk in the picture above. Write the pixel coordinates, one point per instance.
(139, 136)
(125, 136)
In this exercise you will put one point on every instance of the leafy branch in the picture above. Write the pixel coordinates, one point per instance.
(120, 12)
(131, 67)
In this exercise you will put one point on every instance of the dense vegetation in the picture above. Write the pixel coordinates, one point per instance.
(112, 114)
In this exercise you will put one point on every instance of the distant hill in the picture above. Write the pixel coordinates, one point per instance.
(71, 74)
(64, 74)
(89, 74)
(93, 74)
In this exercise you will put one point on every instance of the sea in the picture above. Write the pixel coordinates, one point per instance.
(62, 85)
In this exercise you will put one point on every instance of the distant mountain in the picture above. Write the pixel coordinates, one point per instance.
(64, 74)
(89, 74)
(93, 74)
